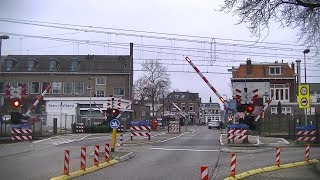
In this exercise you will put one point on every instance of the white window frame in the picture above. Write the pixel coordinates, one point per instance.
(280, 92)
(81, 88)
(183, 106)
(31, 88)
(284, 110)
(100, 93)
(275, 70)
(114, 90)
(56, 87)
(100, 81)
(191, 108)
(65, 86)
(143, 113)
(311, 111)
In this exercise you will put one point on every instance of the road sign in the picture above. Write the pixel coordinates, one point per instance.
(114, 123)
(304, 96)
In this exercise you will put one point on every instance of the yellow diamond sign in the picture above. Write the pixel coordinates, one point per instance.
(304, 96)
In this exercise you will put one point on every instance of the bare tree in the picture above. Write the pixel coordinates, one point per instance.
(303, 14)
(154, 83)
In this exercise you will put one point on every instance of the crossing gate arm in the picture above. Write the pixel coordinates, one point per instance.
(225, 103)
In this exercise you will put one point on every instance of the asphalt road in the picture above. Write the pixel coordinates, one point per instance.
(178, 158)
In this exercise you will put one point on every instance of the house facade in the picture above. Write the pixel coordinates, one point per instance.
(94, 79)
(258, 83)
(210, 112)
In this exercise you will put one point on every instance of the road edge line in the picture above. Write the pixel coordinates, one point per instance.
(271, 168)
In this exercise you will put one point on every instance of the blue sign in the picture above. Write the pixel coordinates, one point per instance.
(140, 123)
(237, 126)
(114, 123)
(232, 104)
(22, 126)
(310, 127)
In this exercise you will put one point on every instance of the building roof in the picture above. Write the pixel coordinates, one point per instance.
(183, 96)
(261, 71)
(66, 64)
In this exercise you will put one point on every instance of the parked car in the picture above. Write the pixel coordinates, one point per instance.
(215, 124)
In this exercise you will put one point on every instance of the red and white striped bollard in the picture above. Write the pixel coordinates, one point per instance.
(204, 172)
(278, 156)
(96, 155)
(107, 155)
(233, 164)
(307, 154)
(66, 162)
(83, 158)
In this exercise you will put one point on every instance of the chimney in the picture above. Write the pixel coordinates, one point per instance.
(249, 67)
(292, 66)
(131, 49)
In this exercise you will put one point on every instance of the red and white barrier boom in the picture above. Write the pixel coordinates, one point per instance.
(264, 108)
(38, 100)
(225, 103)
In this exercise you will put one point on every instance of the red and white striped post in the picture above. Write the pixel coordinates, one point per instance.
(233, 164)
(66, 162)
(83, 157)
(204, 172)
(307, 154)
(278, 156)
(96, 155)
(107, 155)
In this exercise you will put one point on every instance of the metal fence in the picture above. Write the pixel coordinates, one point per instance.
(285, 125)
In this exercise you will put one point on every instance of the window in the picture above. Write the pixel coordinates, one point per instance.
(143, 113)
(183, 106)
(13, 84)
(35, 88)
(31, 64)
(2, 87)
(67, 87)
(276, 70)
(311, 111)
(217, 118)
(53, 64)
(183, 96)
(284, 110)
(100, 93)
(74, 65)
(280, 92)
(56, 87)
(100, 80)
(78, 88)
(118, 91)
(209, 118)
(191, 106)
(44, 86)
(9, 64)
(176, 96)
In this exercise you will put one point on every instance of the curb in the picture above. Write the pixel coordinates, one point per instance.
(93, 168)
(271, 168)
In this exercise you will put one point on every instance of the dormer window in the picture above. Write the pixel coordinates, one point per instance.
(53, 64)
(31, 64)
(275, 70)
(10, 63)
(74, 64)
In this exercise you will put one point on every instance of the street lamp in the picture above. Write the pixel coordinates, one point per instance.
(306, 51)
(90, 88)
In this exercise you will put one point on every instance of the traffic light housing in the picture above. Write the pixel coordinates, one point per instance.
(15, 103)
(249, 108)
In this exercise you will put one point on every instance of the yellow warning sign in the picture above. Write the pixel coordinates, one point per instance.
(304, 96)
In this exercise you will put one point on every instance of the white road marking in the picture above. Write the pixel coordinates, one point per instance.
(221, 140)
(193, 150)
(91, 138)
(285, 141)
(172, 137)
(258, 141)
(41, 140)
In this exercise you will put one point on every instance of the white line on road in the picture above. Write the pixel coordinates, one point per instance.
(221, 140)
(172, 137)
(258, 141)
(41, 140)
(285, 141)
(195, 150)
(93, 138)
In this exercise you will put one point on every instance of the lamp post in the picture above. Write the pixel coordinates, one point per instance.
(306, 51)
(90, 94)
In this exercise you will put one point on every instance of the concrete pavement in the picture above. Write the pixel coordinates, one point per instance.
(287, 170)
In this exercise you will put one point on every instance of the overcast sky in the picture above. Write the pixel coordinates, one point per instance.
(226, 44)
